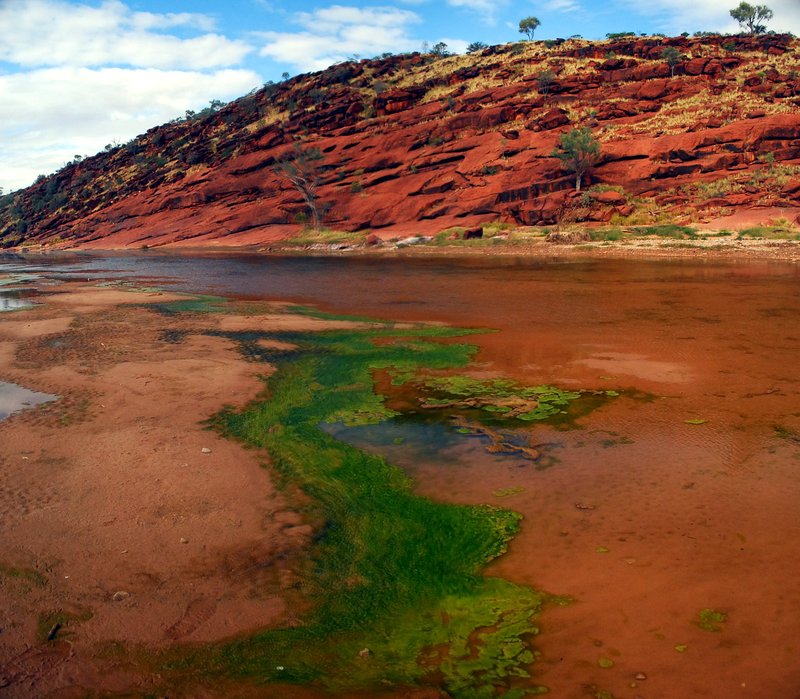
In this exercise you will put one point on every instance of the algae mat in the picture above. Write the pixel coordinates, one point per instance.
(396, 585)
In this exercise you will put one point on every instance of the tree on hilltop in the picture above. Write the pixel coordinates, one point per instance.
(528, 26)
(752, 17)
(578, 151)
(476, 46)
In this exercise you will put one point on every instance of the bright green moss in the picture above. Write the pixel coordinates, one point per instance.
(398, 595)
(393, 573)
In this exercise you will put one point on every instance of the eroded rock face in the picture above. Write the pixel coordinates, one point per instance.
(413, 145)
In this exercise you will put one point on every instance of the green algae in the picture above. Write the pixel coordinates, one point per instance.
(710, 620)
(26, 576)
(59, 624)
(399, 598)
(503, 395)
(395, 580)
(197, 303)
(508, 492)
(506, 401)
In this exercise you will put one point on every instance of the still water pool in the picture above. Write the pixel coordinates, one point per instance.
(676, 499)
(14, 398)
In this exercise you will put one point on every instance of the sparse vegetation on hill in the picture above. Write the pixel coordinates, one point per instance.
(424, 142)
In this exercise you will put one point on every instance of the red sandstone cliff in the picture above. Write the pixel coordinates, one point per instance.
(416, 144)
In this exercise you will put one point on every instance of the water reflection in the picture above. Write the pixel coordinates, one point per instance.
(14, 398)
(12, 301)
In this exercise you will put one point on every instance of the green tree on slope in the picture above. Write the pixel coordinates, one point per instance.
(578, 151)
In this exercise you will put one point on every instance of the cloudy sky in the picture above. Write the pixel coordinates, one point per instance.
(76, 75)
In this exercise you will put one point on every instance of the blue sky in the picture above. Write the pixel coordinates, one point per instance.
(76, 75)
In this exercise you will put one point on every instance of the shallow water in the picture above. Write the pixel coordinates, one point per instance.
(13, 301)
(644, 518)
(14, 398)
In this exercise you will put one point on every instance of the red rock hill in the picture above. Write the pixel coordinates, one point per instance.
(418, 143)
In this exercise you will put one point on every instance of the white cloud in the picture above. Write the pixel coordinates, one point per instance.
(336, 32)
(486, 8)
(563, 6)
(35, 33)
(46, 118)
(78, 76)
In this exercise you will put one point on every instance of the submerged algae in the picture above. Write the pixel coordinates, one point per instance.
(396, 583)
(393, 572)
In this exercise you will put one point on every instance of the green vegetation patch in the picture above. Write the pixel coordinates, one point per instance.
(195, 304)
(503, 399)
(710, 620)
(778, 231)
(27, 576)
(669, 230)
(396, 583)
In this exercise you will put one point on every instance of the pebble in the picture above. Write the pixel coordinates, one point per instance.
(205, 450)
(184, 541)
(121, 596)
(640, 676)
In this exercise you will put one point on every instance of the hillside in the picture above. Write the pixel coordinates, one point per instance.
(419, 143)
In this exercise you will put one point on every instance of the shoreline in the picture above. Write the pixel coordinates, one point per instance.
(712, 249)
(127, 521)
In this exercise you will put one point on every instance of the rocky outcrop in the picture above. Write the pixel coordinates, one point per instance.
(417, 144)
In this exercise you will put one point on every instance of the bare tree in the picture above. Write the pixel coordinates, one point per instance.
(301, 168)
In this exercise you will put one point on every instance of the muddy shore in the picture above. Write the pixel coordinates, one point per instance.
(124, 519)
(715, 247)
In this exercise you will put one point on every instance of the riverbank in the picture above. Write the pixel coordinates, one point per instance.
(708, 244)
(124, 518)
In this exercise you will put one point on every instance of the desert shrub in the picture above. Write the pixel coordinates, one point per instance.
(669, 230)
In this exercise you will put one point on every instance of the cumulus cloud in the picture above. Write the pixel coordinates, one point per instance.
(36, 33)
(76, 76)
(46, 118)
(333, 33)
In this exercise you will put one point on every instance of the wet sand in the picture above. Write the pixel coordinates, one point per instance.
(124, 519)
